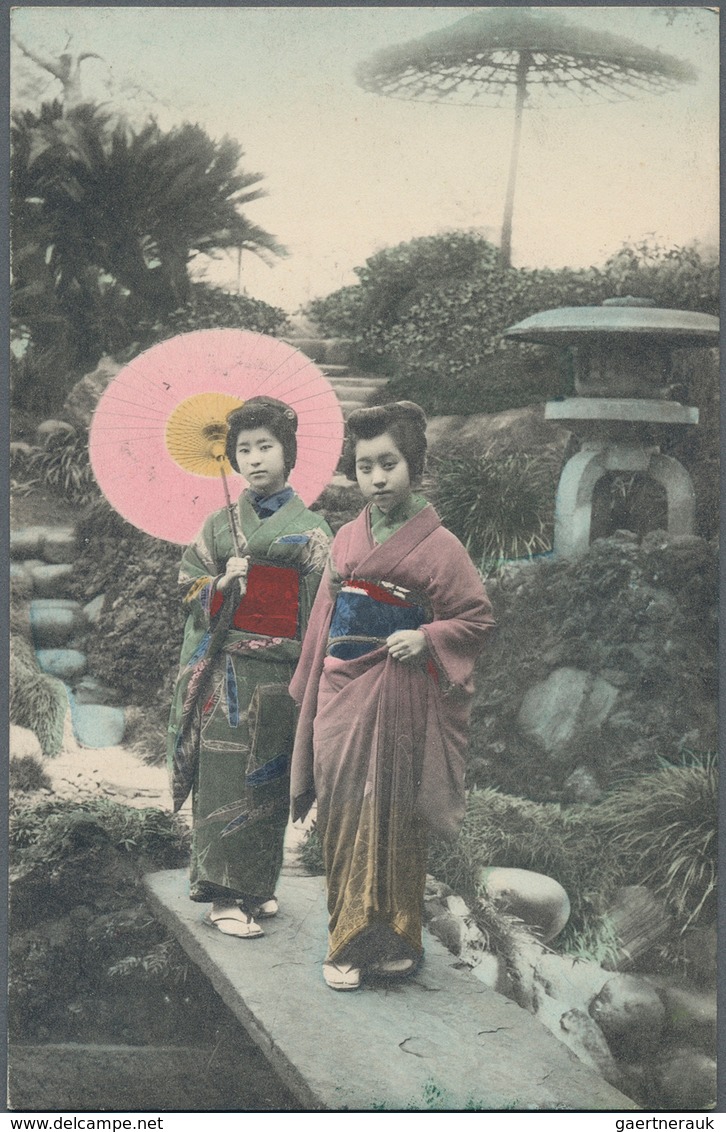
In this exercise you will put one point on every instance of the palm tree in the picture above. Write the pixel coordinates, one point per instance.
(104, 207)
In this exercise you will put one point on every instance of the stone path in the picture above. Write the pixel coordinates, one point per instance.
(439, 1041)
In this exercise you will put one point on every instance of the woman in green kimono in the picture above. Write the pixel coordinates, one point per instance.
(232, 720)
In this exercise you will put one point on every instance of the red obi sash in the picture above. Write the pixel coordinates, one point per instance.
(270, 605)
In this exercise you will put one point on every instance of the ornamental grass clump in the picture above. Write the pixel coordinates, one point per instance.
(499, 505)
(664, 828)
(37, 701)
(64, 465)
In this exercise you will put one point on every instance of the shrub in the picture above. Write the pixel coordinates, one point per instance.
(37, 701)
(211, 308)
(430, 314)
(26, 775)
(665, 827)
(500, 506)
(63, 464)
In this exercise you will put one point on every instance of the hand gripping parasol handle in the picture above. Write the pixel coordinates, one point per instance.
(230, 511)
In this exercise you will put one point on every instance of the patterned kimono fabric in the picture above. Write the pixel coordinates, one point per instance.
(232, 722)
(381, 743)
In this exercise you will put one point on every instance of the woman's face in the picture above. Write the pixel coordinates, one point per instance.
(382, 472)
(261, 460)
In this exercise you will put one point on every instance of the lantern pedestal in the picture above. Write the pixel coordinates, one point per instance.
(618, 435)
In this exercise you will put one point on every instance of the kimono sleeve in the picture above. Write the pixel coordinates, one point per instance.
(462, 612)
(199, 572)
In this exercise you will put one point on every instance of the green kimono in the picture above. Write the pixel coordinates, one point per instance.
(232, 721)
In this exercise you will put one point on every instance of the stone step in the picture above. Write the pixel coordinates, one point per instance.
(334, 371)
(97, 725)
(51, 581)
(54, 623)
(353, 380)
(50, 544)
(442, 1041)
(66, 664)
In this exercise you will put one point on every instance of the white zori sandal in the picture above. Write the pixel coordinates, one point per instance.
(341, 976)
(231, 920)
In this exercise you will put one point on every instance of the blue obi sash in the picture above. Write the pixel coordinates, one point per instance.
(366, 613)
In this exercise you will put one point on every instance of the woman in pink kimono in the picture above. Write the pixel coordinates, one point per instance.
(384, 685)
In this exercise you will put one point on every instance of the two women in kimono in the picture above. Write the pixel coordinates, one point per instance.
(383, 683)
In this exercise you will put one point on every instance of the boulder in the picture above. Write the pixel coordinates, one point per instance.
(686, 1081)
(690, 1013)
(573, 982)
(580, 1034)
(566, 708)
(80, 404)
(24, 743)
(450, 930)
(93, 609)
(53, 623)
(59, 545)
(538, 900)
(97, 725)
(51, 581)
(63, 663)
(581, 786)
(52, 428)
(630, 1013)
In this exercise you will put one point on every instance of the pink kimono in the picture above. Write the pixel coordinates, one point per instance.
(381, 743)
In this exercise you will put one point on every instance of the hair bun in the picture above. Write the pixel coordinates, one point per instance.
(408, 410)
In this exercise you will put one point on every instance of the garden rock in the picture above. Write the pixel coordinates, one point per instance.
(686, 1081)
(450, 930)
(631, 1015)
(52, 581)
(51, 427)
(98, 726)
(53, 623)
(80, 404)
(565, 708)
(23, 743)
(690, 1013)
(581, 1035)
(539, 901)
(63, 663)
(581, 786)
(92, 609)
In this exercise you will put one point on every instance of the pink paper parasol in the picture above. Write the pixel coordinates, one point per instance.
(128, 439)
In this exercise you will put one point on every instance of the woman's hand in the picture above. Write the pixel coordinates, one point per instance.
(236, 568)
(406, 644)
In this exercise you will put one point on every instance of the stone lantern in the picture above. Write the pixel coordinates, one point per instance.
(623, 357)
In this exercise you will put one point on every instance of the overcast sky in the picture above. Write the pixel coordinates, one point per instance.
(348, 172)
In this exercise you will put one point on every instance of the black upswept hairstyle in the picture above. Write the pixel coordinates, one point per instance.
(405, 421)
(264, 412)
